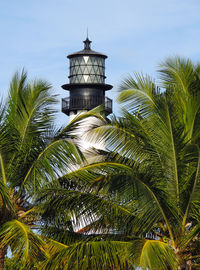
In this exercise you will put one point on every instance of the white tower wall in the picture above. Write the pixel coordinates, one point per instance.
(85, 140)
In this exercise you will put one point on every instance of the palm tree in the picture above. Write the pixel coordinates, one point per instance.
(33, 152)
(141, 206)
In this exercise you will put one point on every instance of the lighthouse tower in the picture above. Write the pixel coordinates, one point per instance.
(86, 85)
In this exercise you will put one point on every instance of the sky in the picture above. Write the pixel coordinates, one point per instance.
(136, 35)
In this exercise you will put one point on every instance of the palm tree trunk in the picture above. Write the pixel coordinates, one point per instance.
(187, 266)
(2, 257)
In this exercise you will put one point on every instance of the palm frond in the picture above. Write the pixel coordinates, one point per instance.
(25, 245)
(153, 255)
(138, 94)
(90, 255)
(55, 159)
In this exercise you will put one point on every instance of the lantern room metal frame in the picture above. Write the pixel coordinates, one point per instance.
(86, 82)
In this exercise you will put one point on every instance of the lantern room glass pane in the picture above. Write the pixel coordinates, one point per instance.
(82, 61)
(87, 69)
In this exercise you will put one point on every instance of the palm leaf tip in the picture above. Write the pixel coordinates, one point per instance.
(24, 244)
(153, 255)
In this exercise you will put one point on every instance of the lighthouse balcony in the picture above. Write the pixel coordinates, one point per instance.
(75, 104)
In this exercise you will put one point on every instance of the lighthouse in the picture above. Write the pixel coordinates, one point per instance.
(86, 85)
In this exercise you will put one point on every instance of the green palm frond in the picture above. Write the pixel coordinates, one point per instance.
(138, 94)
(177, 72)
(91, 171)
(53, 247)
(28, 121)
(90, 255)
(84, 205)
(153, 255)
(6, 205)
(181, 78)
(192, 232)
(25, 245)
(192, 186)
(5, 201)
(30, 105)
(51, 162)
(57, 231)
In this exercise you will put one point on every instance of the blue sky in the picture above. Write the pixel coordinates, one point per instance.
(136, 36)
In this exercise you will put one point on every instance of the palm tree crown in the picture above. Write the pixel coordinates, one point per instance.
(142, 202)
(33, 153)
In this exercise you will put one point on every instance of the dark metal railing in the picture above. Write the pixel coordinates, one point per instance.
(85, 103)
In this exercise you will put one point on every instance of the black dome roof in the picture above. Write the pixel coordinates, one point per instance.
(86, 51)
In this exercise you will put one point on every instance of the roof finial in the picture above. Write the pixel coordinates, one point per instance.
(87, 42)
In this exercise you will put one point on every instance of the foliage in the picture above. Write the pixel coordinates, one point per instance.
(144, 196)
(11, 264)
(33, 152)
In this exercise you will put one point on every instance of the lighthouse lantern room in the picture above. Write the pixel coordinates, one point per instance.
(86, 82)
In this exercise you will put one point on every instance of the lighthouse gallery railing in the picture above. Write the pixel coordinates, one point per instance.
(88, 103)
